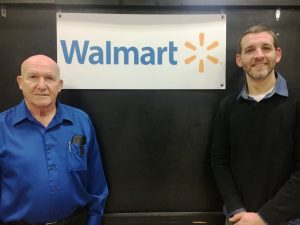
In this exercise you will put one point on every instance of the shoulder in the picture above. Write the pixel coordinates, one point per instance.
(73, 114)
(76, 113)
(7, 114)
(229, 101)
(225, 106)
(294, 92)
(293, 95)
(72, 109)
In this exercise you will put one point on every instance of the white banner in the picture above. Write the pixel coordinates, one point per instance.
(138, 51)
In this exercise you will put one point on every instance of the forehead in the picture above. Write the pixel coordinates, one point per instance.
(254, 39)
(39, 68)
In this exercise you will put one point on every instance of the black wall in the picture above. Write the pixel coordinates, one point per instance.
(154, 143)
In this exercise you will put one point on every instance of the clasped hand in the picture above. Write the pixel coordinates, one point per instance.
(247, 218)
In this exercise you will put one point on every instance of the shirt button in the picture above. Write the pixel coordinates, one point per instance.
(51, 167)
(54, 189)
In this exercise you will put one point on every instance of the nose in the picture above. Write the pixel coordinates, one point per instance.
(259, 53)
(42, 84)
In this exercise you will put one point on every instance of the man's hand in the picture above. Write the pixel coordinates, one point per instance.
(247, 218)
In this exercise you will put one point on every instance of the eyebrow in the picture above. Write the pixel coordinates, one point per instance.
(263, 45)
(248, 47)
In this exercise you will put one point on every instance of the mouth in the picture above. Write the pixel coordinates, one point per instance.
(41, 95)
(258, 65)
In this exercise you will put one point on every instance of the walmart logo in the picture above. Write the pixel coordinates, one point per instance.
(193, 57)
(109, 54)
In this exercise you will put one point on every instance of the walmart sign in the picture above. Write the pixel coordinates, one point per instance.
(130, 51)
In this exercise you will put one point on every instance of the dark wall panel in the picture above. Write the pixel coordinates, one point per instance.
(25, 31)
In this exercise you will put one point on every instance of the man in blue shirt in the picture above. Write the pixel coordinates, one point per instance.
(50, 164)
(256, 143)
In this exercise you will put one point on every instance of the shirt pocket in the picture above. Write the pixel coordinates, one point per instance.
(77, 157)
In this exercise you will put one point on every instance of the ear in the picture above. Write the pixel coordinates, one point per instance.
(61, 84)
(238, 60)
(278, 54)
(20, 81)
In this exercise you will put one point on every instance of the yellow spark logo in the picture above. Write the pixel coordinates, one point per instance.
(193, 57)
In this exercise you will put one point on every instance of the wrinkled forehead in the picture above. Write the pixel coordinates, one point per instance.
(40, 65)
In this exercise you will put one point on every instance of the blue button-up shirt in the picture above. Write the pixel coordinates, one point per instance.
(46, 173)
(280, 89)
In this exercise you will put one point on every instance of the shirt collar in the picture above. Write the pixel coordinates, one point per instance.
(61, 114)
(280, 89)
(22, 113)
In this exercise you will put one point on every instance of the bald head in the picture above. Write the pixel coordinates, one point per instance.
(40, 82)
(42, 62)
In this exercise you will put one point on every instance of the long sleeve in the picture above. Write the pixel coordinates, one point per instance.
(97, 186)
(220, 160)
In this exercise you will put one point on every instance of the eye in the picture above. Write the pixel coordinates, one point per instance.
(49, 78)
(249, 50)
(32, 77)
(267, 48)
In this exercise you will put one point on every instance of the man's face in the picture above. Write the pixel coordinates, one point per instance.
(40, 83)
(258, 56)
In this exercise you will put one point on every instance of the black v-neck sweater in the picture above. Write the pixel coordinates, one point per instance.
(256, 156)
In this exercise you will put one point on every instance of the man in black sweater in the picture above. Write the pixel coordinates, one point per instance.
(256, 141)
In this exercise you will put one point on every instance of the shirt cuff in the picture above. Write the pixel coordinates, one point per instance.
(230, 214)
(263, 219)
(94, 220)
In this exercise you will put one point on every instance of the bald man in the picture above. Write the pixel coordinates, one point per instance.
(50, 164)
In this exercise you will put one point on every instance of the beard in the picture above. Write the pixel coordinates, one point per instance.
(261, 74)
(260, 71)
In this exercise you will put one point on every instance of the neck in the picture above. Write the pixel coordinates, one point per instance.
(260, 86)
(43, 115)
